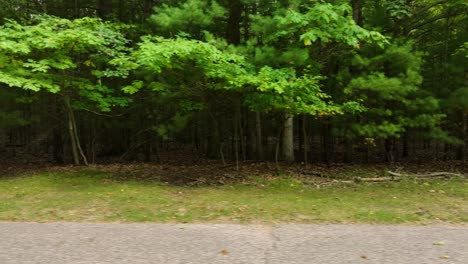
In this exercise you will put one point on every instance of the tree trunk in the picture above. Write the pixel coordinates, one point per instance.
(462, 148)
(288, 138)
(251, 137)
(277, 148)
(405, 145)
(305, 138)
(148, 7)
(258, 125)
(327, 142)
(104, 9)
(348, 150)
(214, 142)
(241, 130)
(72, 131)
(357, 11)
(389, 150)
(236, 136)
(246, 22)
(465, 139)
(233, 32)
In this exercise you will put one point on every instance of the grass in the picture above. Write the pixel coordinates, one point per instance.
(93, 196)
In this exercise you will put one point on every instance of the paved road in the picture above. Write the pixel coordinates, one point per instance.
(73, 243)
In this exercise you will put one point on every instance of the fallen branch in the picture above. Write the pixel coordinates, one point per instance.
(428, 175)
(379, 179)
(328, 183)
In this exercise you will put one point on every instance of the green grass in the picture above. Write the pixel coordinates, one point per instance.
(92, 196)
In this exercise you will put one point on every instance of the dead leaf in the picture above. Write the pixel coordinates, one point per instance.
(224, 252)
(444, 257)
(363, 257)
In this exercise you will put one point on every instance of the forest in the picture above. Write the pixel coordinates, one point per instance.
(306, 81)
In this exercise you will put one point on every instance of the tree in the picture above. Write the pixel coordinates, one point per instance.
(65, 58)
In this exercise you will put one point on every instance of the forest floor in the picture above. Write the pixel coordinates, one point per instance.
(208, 192)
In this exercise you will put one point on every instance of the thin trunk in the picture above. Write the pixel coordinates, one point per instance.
(221, 153)
(305, 139)
(327, 142)
(405, 145)
(104, 9)
(92, 141)
(233, 32)
(389, 150)
(149, 7)
(288, 138)
(213, 144)
(76, 9)
(246, 22)
(465, 140)
(71, 130)
(258, 122)
(77, 138)
(251, 137)
(277, 149)
(241, 130)
(148, 146)
(236, 137)
(357, 11)
(348, 150)
(156, 149)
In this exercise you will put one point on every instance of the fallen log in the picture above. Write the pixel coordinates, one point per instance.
(399, 176)
(427, 175)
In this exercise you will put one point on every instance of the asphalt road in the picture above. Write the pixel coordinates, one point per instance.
(74, 243)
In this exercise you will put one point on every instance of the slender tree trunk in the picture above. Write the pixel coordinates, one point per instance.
(327, 142)
(258, 123)
(357, 11)
(277, 148)
(246, 22)
(233, 32)
(462, 132)
(465, 140)
(92, 141)
(104, 9)
(305, 138)
(288, 138)
(76, 9)
(251, 137)
(221, 153)
(72, 131)
(213, 144)
(389, 150)
(236, 137)
(348, 150)
(148, 8)
(405, 145)
(241, 130)
(233, 36)
(77, 139)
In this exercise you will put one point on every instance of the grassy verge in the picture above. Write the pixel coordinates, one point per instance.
(92, 196)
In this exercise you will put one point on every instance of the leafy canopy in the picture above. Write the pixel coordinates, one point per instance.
(60, 56)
